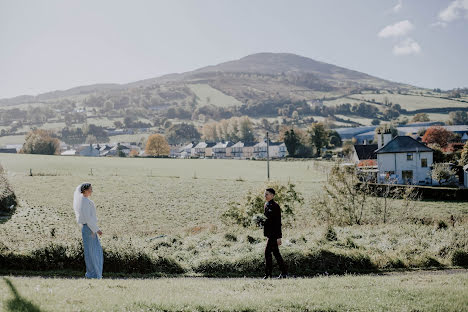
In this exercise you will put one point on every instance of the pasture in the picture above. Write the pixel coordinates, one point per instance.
(138, 200)
(410, 102)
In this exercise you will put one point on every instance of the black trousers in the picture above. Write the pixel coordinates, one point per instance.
(272, 247)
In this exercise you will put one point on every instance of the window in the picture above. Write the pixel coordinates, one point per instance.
(424, 162)
(409, 156)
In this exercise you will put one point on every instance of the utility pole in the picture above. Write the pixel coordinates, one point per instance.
(268, 156)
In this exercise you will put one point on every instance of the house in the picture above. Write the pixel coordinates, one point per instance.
(276, 150)
(403, 160)
(201, 148)
(104, 149)
(364, 155)
(220, 149)
(71, 152)
(88, 151)
(174, 151)
(242, 150)
(186, 151)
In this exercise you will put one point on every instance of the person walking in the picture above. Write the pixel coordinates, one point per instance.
(85, 212)
(272, 231)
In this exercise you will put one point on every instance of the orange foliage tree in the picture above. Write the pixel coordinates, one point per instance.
(157, 146)
(437, 135)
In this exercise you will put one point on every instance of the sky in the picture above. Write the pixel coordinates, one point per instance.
(52, 45)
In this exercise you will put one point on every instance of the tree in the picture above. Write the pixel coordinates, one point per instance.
(443, 174)
(118, 124)
(41, 142)
(292, 142)
(246, 130)
(334, 139)
(421, 117)
(157, 146)
(458, 118)
(91, 139)
(463, 161)
(437, 135)
(375, 122)
(182, 133)
(318, 136)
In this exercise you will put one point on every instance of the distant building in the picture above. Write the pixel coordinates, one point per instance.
(70, 152)
(242, 150)
(364, 154)
(200, 150)
(403, 160)
(88, 151)
(276, 150)
(220, 149)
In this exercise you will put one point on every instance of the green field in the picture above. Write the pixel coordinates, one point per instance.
(208, 95)
(410, 102)
(12, 139)
(408, 292)
(139, 199)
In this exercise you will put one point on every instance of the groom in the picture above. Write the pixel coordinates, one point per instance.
(272, 230)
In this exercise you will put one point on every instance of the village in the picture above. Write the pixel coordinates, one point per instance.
(380, 157)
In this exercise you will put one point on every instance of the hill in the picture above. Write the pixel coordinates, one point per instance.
(272, 86)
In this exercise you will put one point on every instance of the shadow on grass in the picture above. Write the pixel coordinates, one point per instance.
(19, 303)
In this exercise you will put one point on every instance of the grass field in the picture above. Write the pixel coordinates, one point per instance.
(208, 95)
(139, 199)
(410, 102)
(12, 139)
(408, 292)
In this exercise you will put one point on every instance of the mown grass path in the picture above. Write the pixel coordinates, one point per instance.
(416, 291)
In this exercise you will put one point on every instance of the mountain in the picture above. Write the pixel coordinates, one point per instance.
(280, 73)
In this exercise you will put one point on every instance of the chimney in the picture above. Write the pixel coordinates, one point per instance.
(379, 139)
(387, 137)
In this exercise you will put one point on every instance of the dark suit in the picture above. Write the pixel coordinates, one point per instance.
(272, 230)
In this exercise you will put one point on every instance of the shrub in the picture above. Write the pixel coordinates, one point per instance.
(230, 237)
(460, 258)
(251, 211)
(330, 234)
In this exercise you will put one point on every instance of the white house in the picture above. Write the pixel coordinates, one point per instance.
(276, 150)
(220, 149)
(403, 160)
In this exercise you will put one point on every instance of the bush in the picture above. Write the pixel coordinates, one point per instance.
(330, 234)
(7, 196)
(251, 211)
(460, 258)
(308, 263)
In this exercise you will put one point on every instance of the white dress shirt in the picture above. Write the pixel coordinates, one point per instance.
(87, 214)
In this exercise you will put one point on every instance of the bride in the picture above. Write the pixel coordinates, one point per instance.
(85, 212)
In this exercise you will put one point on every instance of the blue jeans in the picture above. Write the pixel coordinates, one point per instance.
(93, 253)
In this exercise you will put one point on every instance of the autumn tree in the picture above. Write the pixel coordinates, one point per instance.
(41, 142)
(437, 135)
(157, 146)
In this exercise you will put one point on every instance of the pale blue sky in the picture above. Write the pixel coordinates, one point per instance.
(51, 45)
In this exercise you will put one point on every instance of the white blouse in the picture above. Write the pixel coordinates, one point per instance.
(87, 214)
